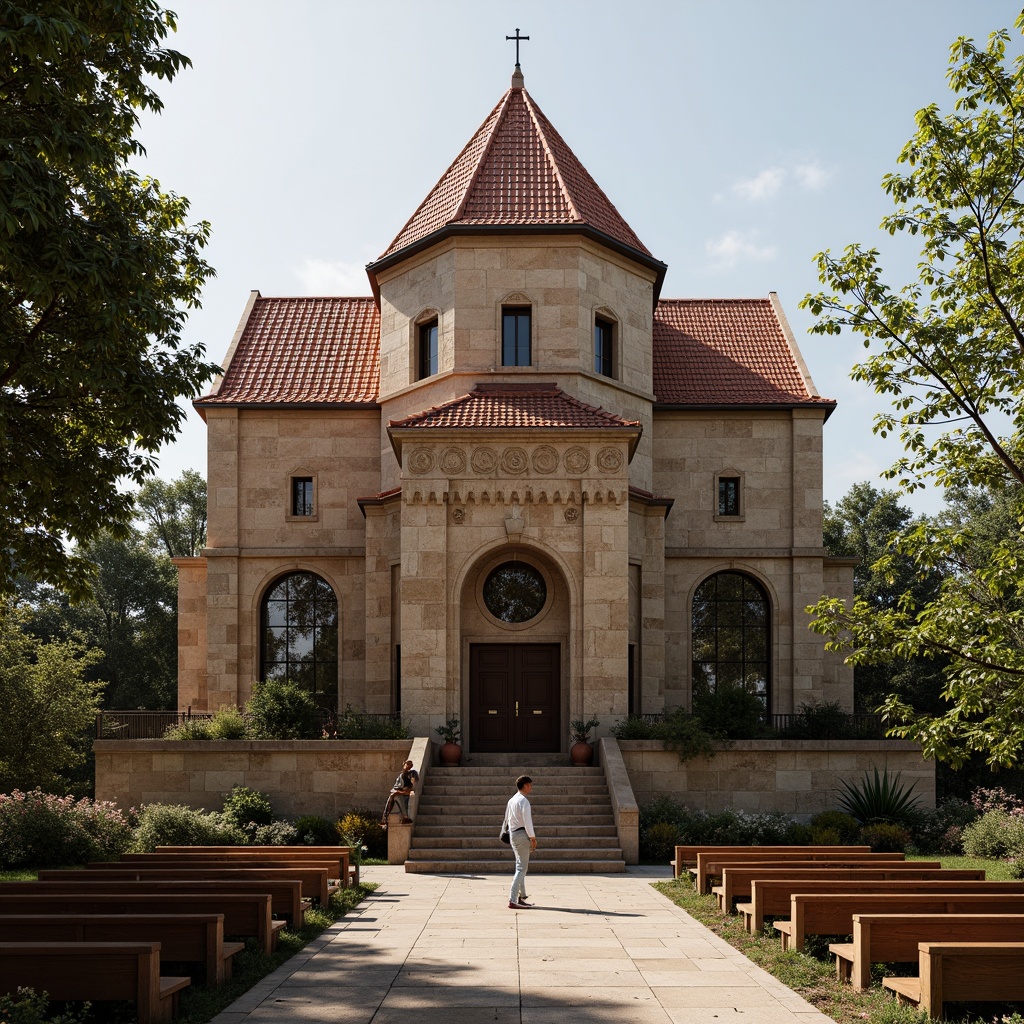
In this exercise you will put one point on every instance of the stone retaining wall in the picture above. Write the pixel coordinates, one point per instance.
(325, 777)
(799, 777)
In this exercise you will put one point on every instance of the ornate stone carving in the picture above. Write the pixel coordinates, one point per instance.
(577, 460)
(545, 460)
(483, 461)
(609, 459)
(421, 460)
(453, 461)
(458, 515)
(572, 513)
(514, 461)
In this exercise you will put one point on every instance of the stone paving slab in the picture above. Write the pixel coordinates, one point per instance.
(608, 946)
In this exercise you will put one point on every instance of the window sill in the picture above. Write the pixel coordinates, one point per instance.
(729, 519)
(302, 519)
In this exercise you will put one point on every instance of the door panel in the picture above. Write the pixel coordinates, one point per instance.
(514, 696)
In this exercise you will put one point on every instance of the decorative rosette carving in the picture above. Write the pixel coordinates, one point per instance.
(421, 460)
(545, 460)
(514, 461)
(609, 460)
(572, 513)
(453, 461)
(458, 515)
(483, 461)
(577, 460)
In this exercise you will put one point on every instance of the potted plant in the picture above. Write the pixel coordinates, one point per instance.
(581, 752)
(450, 732)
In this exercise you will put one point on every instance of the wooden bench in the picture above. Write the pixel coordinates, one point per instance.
(893, 938)
(246, 915)
(93, 971)
(773, 898)
(190, 938)
(311, 883)
(686, 856)
(985, 972)
(737, 879)
(710, 865)
(285, 896)
(348, 871)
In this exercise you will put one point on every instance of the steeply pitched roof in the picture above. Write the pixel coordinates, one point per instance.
(516, 171)
(714, 352)
(304, 351)
(515, 406)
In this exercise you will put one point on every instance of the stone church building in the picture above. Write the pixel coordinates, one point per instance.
(515, 484)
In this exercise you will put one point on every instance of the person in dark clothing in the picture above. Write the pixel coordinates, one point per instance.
(399, 795)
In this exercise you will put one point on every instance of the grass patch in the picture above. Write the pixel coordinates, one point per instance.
(995, 870)
(19, 875)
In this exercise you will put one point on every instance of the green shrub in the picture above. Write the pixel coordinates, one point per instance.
(844, 825)
(175, 825)
(226, 724)
(880, 797)
(633, 727)
(274, 833)
(312, 830)
(361, 827)
(995, 834)
(940, 829)
(247, 808)
(886, 837)
(724, 827)
(731, 712)
(819, 721)
(41, 830)
(658, 842)
(354, 725)
(281, 710)
(682, 732)
(30, 1007)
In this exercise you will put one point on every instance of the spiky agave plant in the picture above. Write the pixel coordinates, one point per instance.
(878, 797)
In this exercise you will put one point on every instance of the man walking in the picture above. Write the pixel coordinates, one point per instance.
(519, 822)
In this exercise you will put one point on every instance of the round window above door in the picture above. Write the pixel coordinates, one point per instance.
(515, 592)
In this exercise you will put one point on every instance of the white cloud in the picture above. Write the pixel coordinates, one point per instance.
(737, 247)
(325, 277)
(812, 176)
(762, 186)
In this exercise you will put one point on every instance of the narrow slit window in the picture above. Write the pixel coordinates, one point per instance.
(427, 350)
(603, 351)
(302, 495)
(729, 496)
(515, 336)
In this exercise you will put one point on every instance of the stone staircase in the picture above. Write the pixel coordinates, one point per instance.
(460, 812)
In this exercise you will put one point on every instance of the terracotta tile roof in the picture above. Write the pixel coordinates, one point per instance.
(726, 352)
(516, 170)
(304, 350)
(514, 406)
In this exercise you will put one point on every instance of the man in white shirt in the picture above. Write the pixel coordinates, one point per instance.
(519, 821)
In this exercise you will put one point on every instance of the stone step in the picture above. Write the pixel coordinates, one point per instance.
(594, 788)
(477, 867)
(580, 832)
(557, 802)
(503, 774)
(488, 842)
(503, 854)
(490, 822)
(519, 764)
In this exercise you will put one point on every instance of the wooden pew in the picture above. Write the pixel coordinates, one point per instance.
(313, 882)
(336, 867)
(348, 870)
(93, 971)
(247, 915)
(191, 938)
(737, 878)
(686, 855)
(893, 938)
(285, 896)
(986, 972)
(710, 865)
(772, 898)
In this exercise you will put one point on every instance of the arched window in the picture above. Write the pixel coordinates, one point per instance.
(731, 630)
(300, 635)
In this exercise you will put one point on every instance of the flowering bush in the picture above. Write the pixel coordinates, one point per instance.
(41, 830)
(361, 828)
(175, 825)
(997, 799)
(995, 834)
(275, 833)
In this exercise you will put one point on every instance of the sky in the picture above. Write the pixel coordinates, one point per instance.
(738, 138)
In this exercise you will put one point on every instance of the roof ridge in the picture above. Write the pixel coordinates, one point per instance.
(503, 103)
(556, 170)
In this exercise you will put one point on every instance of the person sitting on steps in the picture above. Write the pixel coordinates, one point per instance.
(399, 795)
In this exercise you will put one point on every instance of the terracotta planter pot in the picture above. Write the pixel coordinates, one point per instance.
(581, 754)
(450, 754)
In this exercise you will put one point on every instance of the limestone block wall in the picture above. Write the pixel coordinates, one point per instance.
(191, 632)
(326, 777)
(798, 777)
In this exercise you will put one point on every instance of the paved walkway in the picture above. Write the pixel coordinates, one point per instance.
(596, 948)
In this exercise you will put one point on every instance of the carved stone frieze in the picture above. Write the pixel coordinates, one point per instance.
(484, 461)
(514, 461)
(609, 460)
(577, 460)
(453, 462)
(421, 460)
(544, 459)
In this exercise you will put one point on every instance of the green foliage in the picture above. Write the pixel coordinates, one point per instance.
(99, 271)
(658, 842)
(842, 825)
(353, 725)
(27, 1006)
(247, 808)
(226, 723)
(878, 797)
(580, 729)
(176, 825)
(282, 710)
(633, 727)
(886, 837)
(995, 834)
(274, 833)
(41, 830)
(361, 828)
(730, 712)
(312, 830)
(48, 707)
(175, 514)
(949, 350)
(451, 731)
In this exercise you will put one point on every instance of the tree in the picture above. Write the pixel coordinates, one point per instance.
(48, 706)
(949, 349)
(175, 513)
(98, 269)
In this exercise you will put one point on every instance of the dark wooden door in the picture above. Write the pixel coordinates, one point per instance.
(514, 694)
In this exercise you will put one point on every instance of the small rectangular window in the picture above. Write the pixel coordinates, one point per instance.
(515, 336)
(603, 331)
(302, 495)
(427, 350)
(728, 495)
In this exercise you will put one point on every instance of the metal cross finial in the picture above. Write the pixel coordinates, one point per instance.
(518, 39)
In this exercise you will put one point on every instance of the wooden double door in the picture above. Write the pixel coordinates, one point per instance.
(515, 697)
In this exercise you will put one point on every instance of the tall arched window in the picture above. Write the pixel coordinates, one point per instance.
(300, 635)
(731, 630)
